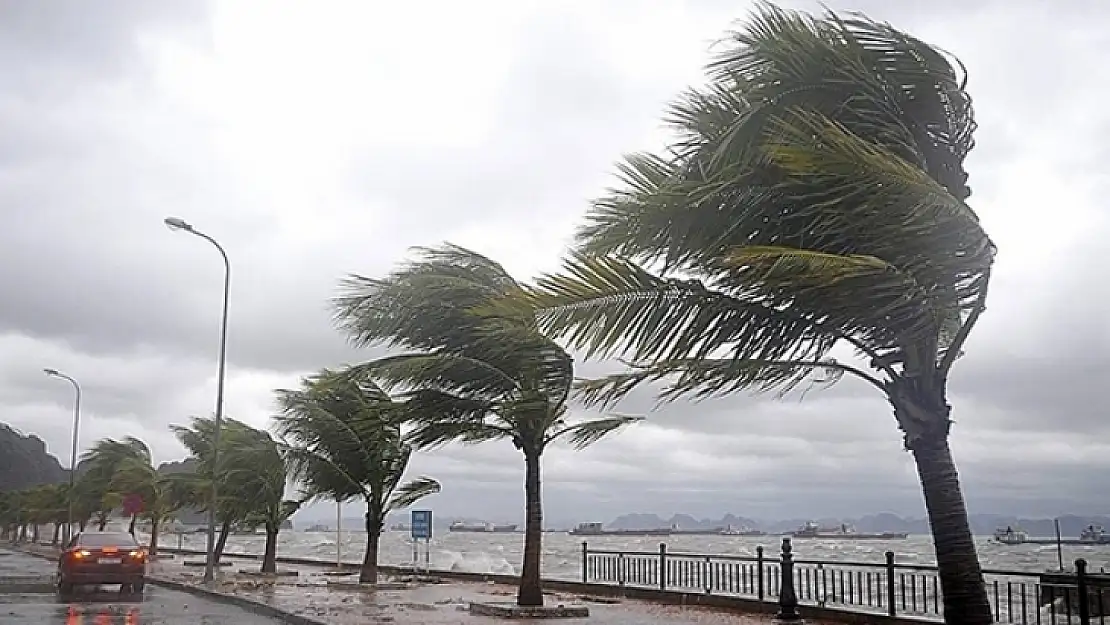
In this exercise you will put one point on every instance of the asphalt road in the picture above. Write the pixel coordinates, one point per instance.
(157, 606)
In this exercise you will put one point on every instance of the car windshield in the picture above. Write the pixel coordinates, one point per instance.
(107, 539)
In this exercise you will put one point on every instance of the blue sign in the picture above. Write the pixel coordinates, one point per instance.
(421, 523)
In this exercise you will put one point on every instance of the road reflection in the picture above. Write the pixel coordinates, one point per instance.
(103, 608)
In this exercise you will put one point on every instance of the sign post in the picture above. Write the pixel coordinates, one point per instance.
(421, 528)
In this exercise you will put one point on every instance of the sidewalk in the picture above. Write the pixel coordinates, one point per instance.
(341, 602)
(309, 594)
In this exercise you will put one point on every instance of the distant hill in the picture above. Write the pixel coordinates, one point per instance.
(982, 524)
(24, 461)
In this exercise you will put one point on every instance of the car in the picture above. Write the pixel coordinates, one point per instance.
(95, 558)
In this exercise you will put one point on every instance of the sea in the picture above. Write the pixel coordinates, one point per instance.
(562, 553)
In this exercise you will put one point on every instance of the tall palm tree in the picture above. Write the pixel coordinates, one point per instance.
(343, 441)
(815, 198)
(478, 369)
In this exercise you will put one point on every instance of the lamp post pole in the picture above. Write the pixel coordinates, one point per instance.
(54, 373)
(175, 223)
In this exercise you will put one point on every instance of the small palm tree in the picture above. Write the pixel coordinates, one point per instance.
(815, 199)
(236, 497)
(343, 441)
(107, 458)
(126, 467)
(479, 369)
(259, 472)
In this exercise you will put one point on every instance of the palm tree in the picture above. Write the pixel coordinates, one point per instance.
(235, 497)
(260, 473)
(126, 467)
(479, 370)
(815, 199)
(343, 441)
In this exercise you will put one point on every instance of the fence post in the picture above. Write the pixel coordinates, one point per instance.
(788, 599)
(662, 566)
(759, 570)
(1084, 594)
(585, 562)
(620, 569)
(891, 609)
(708, 580)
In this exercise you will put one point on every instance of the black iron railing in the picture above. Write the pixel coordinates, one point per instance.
(888, 587)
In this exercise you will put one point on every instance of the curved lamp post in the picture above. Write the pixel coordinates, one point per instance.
(54, 373)
(175, 223)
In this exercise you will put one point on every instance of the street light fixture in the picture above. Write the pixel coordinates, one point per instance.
(54, 373)
(178, 224)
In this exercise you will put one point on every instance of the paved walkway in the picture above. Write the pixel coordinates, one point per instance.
(311, 595)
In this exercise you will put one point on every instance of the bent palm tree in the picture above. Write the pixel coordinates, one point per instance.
(234, 499)
(107, 459)
(344, 441)
(259, 473)
(478, 372)
(815, 198)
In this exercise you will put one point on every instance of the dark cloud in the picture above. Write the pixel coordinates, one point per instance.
(494, 131)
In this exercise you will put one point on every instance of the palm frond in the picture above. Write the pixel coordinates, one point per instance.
(703, 377)
(439, 370)
(411, 492)
(586, 433)
(606, 306)
(433, 433)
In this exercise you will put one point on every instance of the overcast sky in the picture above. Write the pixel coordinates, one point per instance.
(317, 139)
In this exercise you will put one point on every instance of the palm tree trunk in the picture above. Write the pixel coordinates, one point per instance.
(961, 578)
(154, 523)
(530, 592)
(57, 533)
(221, 540)
(35, 533)
(369, 572)
(269, 554)
(131, 525)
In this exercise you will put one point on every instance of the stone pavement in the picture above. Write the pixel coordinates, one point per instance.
(309, 594)
(342, 602)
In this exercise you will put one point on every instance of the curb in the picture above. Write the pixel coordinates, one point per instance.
(255, 607)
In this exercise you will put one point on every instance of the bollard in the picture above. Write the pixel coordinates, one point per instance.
(1084, 597)
(788, 599)
(585, 562)
(759, 571)
(662, 566)
(891, 609)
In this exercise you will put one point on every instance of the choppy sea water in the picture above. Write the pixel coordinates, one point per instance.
(562, 553)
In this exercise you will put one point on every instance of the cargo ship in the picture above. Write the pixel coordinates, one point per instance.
(845, 532)
(460, 526)
(598, 529)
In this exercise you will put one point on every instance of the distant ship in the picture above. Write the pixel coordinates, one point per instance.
(1091, 535)
(1010, 536)
(597, 529)
(1094, 534)
(318, 528)
(459, 526)
(741, 531)
(845, 532)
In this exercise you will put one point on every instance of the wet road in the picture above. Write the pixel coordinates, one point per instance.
(157, 606)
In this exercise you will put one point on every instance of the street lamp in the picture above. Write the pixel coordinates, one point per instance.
(54, 373)
(177, 224)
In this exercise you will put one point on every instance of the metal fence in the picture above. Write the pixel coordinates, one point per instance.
(889, 588)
